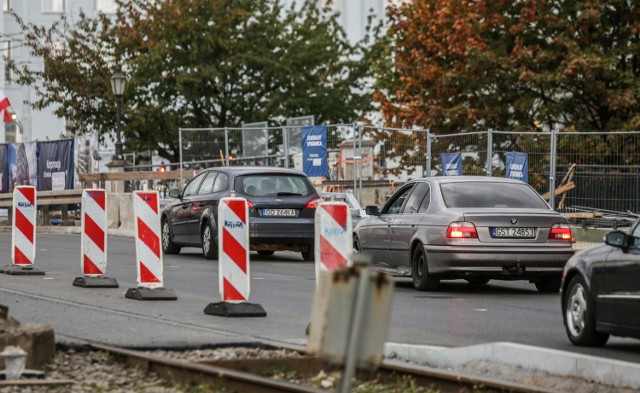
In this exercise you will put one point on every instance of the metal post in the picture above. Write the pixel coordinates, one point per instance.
(118, 155)
(356, 327)
(490, 152)
(226, 146)
(360, 164)
(552, 169)
(285, 144)
(180, 146)
(355, 184)
(428, 152)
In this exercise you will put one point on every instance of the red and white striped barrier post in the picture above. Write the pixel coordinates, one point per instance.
(93, 242)
(23, 233)
(333, 238)
(233, 262)
(146, 209)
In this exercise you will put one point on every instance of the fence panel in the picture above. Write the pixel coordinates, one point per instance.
(607, 170)
(537, 145)
(471, 145)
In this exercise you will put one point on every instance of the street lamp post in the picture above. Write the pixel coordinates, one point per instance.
(118, 83)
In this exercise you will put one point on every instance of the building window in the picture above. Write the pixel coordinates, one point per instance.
(53, 6)
(6, 57)
(106, 6)
(10, 132)
(5, 5)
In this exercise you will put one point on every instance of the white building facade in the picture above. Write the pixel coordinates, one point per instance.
(35, 124)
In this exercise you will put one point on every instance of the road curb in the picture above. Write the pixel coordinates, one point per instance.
(73, 231)
(606, 371)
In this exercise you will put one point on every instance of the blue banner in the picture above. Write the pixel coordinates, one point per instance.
(4, 168)
(55, 165)
(518, 166)
(314, 151)
(451, 164)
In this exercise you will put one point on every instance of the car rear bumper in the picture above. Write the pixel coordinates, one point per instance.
(497, 261)
(285, 232)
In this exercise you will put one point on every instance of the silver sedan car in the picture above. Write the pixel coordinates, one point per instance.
(470, 227)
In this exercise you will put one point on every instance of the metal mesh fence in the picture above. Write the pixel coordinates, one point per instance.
(472, 146)
(605, 174)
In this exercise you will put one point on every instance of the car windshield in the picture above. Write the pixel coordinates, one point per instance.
(274, 185)
(489, 194)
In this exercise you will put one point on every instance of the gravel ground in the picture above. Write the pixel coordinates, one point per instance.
(97, 372)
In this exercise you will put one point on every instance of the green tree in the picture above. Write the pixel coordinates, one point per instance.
(198, 63)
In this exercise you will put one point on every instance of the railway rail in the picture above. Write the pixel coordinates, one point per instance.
(250, 375)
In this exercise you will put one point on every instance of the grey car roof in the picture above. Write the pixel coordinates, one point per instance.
(255, 169)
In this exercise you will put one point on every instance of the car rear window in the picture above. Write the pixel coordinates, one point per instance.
(489, 194)
(274, 185)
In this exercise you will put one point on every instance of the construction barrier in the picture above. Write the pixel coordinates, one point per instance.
(93, 241)
(333, 242)
(23, 232)
(146, 209)
(233, 264)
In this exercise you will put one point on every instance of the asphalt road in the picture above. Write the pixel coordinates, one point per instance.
(456, 315)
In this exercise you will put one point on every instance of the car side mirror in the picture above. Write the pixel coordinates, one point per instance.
(174, 193)
(372, 210)
(617, 239)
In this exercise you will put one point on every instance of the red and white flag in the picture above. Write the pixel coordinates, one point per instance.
(4, 106)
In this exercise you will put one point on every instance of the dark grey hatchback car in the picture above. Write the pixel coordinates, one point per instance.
(282, 204)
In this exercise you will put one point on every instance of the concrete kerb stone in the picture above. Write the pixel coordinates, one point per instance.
(562, 363)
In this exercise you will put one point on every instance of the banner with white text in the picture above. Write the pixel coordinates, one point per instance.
(518, 166)
(314, 151)
(451, 164)
(55, 165)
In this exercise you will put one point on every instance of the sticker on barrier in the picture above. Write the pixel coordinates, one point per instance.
(146, 208)
(23, 232)
(333, 238)
(93, 241)
(233, 263)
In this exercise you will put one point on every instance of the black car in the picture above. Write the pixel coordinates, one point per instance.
(282, 205)
(601, 290)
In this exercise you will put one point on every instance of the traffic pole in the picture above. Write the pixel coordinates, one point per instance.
(146, 208)
(23, 233)
(93, 242)
(333, 239)
(233, 262)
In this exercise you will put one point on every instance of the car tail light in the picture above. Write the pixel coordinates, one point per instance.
(250, 204)
(560, 232)
(462, 230)
(312, 204)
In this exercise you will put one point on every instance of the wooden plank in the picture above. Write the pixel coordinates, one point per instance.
(560, 190)
(583, 215)
(129, 176)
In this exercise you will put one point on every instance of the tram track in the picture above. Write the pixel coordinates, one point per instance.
(252, 375)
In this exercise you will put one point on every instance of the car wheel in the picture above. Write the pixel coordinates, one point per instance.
(477, 280)
(356, 245)
(548, 284)
(265, 252)
(579, 320)
(209, 248)
(309, 255)
(422, 281)
(167, 245)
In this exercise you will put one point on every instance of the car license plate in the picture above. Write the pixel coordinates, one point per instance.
(529, 233)
(279, 212)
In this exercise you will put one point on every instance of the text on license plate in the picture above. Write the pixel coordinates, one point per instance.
(513, 232)
(279, 212)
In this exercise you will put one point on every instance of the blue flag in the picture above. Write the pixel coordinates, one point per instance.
(451, 164)
(314, 151)
(518, 166)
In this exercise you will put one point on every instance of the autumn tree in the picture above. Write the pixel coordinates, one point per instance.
(198, 63)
